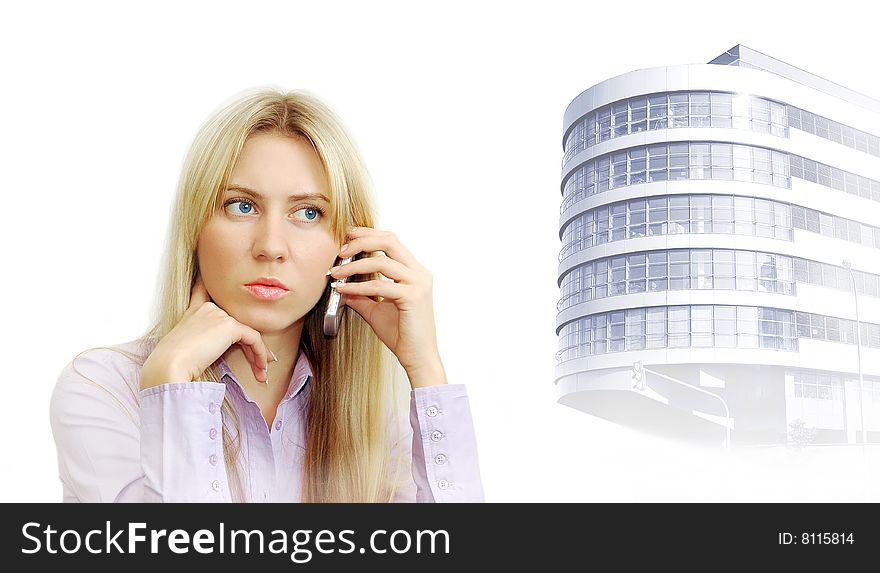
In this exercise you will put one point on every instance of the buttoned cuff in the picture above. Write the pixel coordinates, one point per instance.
(445, 461)
(182, 442)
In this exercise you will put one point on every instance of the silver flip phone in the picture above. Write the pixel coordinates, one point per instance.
(335, 308)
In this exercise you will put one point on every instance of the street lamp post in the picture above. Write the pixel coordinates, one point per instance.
(848, 266)
(638, 377)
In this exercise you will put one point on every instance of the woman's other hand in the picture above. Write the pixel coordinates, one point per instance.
(403, 318)
(203, 334)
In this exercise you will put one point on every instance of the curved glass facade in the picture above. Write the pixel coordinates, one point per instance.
(675, 214)
(698, 326)
(667, 162)
(677, 109)
(709, 109)
(681, 269)
(704, 326)
(677, 161)
(677, 269)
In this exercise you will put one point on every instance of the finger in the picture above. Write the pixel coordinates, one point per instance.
(365, 239)
(360, 304)
(198, 294)
(254, 340)
(394, 270)
(385, 289)
(249, 354)
(251, 358)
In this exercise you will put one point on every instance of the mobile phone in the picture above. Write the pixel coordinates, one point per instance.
(335, 308)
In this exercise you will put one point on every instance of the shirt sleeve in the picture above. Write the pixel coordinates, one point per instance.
(118, 444)
(445, 465)
(182, 443)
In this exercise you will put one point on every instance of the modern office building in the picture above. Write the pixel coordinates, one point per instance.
(714, 219)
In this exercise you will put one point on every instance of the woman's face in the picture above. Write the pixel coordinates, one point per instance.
(270, 224)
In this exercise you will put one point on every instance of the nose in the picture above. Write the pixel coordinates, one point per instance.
(269, 241)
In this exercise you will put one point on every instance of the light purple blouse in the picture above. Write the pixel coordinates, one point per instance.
(165, 444)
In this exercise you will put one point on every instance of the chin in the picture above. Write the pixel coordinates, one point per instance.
(266, 320)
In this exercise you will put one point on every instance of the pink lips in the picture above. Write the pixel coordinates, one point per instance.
(264, 292)
(267, 288)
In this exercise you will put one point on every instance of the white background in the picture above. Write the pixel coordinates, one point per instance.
(457, 108)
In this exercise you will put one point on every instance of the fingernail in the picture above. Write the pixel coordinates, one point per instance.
(336, 284)
(332, 270)
(343, 248)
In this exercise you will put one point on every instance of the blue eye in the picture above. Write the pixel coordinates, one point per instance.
(243, 207)
(246, 207)
(309, 214)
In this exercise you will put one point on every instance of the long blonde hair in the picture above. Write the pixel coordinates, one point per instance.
(346, 453)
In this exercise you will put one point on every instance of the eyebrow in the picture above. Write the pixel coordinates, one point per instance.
(290, 198)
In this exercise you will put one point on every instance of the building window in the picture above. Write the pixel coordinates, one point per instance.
(655, 327)
(635, 329)
(818, 222)
(725, 326)
(818, 386)
(828, 176)
(679, 326)
(697, 326)
(818, 399)
(834, 131)
(688, 214)
(678, 161)
(674, 110)
(678, 269)
(680, 214)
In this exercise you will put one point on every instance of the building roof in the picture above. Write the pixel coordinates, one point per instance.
(746, 57)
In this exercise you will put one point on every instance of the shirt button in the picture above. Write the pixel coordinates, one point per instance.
(215, 485)
(278, 425)
(443, 484)
(440, 459)
(212, 408)
(436, 435)
(213, 460)
(213, 433)
(431, 411)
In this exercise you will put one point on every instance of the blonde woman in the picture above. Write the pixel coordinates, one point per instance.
(235, 393)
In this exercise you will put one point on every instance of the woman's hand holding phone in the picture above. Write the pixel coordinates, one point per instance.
(404, 317)
(203, 334)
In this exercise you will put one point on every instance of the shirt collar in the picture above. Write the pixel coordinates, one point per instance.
(302, 373)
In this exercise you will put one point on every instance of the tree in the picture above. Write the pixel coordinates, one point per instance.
(799, 435)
